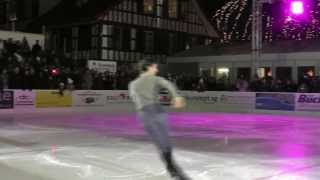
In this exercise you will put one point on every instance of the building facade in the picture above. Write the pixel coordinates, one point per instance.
(126, 30)
(283, 60)
(21, 12)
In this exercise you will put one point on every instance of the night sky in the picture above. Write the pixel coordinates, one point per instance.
(209, 6)
(231, 18)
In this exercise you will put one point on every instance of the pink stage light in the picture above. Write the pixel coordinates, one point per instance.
(297, 7)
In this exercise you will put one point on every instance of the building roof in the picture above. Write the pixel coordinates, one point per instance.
(242, 48)
(70, 11)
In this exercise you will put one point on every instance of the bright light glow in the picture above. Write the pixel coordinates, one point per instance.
(310, 73)
(263, 72)
(223, 71)
(297, 7)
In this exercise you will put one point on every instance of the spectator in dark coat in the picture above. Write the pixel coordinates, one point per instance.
(36, 49)
(290, 86)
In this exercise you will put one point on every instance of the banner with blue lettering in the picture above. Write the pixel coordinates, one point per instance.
(275, 101)
(6, 99)
(307, 102)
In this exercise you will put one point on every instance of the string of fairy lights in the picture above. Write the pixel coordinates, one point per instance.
(234, 20)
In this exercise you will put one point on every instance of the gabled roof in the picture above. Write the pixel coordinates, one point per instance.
(67, 11)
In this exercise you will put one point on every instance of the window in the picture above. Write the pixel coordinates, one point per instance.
(133, 39)
(223, 73)
(264, 72)
(109, 30)
(172, 43)
(117, 38)
(244, 72)
(305, 72)
(148, 6)
(173, 8)
(133, 45)
(107, 42)
(149, 41)
(95, 30)
(184, 9)
(104, 54)
(126, 37)
(284, 73)
(159, 11)
(94, 42)
(134, 6)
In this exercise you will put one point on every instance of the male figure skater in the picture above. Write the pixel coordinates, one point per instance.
(145, 92)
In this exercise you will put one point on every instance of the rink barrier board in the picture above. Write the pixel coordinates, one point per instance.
(275, 101)
(52, 98)
(208, 101)
(88, 98)
(7, 99)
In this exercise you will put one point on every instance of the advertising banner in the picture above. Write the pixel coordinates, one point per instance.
(6, 99)
(103, 66)
(308, 102)
(220, 101)
(275, 101)
(200, 97)
(52, 98)
(114, 97)
(24, 98)
(89, 98)
(237, 100)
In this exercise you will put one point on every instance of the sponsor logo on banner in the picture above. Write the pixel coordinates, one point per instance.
(6, 99)
(208, 98)
(237, 99)
(88, 98)
(204, 99)
(308, 102)
(275, 101)
(103, 66)
(24, 98)
(52, 98)
(118, 97)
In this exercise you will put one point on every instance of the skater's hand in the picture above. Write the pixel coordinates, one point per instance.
(178, 103)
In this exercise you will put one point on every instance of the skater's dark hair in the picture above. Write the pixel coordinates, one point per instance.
(145, 64)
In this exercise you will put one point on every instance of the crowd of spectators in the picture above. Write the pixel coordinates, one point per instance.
(30, 67)
(306, 84)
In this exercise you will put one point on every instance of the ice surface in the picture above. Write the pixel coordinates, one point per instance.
(209, 146)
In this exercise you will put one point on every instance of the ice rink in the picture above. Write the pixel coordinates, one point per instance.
(209, 146)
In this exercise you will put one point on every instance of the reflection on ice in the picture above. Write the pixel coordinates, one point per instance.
(45, 158)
